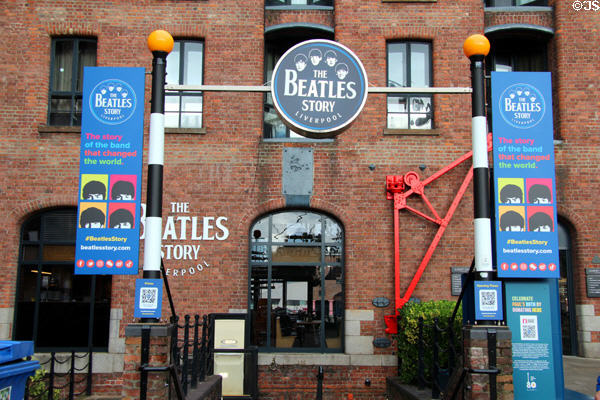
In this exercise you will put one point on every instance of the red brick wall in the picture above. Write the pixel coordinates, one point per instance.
(229, 171)
(291, 382)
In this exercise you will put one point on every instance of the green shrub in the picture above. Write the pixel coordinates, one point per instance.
(38, 386)
(408, 336)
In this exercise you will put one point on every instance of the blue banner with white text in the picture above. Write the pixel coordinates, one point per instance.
(110, 167)
(524, 180)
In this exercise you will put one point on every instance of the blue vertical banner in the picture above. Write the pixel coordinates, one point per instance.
(524, 180)
(110, 168)
(531, 315)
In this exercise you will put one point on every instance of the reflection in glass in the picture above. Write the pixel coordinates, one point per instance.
(184, 67)
(296, 281)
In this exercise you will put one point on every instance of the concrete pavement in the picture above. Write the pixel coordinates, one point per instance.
(580, 377)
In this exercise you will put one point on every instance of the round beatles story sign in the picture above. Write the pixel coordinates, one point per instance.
(319, 87)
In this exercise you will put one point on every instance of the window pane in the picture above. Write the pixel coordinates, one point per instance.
(192, 103)
(397, 64)
(334, 314)
(285, 254)
(63, 66)
(87, 58)
(260, 230)
(77, 112)
(59, 253)
(419, 65)
(397, 121)
(333, 254)
(299, 227)
(173, 64)
(60, 111)
(172, 111)
(397, 104)
(258, 305)
(193, 63)
(191, 120)
(420, 121)
(333, 231)
(30, 253)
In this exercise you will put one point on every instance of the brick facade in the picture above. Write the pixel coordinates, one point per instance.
(229, 170)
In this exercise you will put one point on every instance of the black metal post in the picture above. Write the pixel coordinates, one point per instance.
(421, 359)
(72, 377)
(51, 377)
(160, 44)
(88, 389)
(203, 348)
(491, 339)
(435, 384)
(195, 352)
(186, 343)
(145, 358)
(320, 383)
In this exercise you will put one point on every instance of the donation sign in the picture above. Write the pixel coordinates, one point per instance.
(319, 87)
(524, 181)
(110, 167)
(532, 314)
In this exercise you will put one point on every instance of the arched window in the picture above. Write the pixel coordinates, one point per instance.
(55, 308)
(296, 296)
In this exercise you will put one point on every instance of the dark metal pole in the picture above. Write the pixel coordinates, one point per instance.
(160, 44)
(145, 358)
(320, 383)
(481, 185)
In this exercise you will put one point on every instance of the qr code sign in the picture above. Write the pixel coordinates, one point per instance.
(5, 393)
(529, 327)
(148, 298)
(488, 300)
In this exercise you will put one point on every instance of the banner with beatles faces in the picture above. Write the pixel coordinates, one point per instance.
(110, 167)
(524, 181)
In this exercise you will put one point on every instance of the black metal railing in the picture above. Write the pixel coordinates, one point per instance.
(190, 350)
(52, 385)
(435, 372)
(454, 387)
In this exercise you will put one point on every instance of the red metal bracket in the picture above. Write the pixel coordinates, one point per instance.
(399, 188)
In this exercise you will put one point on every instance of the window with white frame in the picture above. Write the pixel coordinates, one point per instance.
(409, 65)
(185, 65)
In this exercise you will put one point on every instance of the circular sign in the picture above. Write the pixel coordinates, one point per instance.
(112, 101)
(522, 106)
(319, 87)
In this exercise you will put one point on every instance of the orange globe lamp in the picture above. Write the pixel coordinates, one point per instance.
(160, 40)
(476, 45)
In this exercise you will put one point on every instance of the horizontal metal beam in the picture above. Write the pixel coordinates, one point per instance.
(388, 90)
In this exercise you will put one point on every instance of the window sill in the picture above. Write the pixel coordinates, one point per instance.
(518, 9)
(189, 131)
(296, 140)
(45, 129)
(299, 7)
(411, 132)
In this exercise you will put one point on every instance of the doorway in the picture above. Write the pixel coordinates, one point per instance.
(566, 291)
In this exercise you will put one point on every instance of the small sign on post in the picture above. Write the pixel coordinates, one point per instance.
(148, 298)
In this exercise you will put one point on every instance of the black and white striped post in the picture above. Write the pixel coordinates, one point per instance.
(476, 47)
(160, 44)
